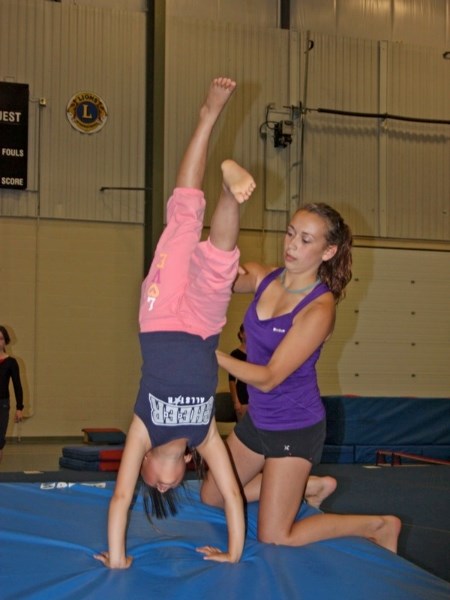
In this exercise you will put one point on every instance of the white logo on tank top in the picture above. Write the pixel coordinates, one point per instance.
(278, 330)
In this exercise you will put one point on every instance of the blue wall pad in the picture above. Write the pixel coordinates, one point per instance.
(50, 531)
(368, 424)
(338, 454)
(373, 421)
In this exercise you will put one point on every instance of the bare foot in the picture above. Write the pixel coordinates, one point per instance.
(319, 488)
(218, 95)
(237, 181)
(386, 535)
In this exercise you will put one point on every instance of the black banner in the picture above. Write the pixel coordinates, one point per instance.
(13, 135)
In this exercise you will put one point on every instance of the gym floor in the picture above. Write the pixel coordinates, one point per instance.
(28, 456)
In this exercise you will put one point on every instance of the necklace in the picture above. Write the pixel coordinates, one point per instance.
(305, 289)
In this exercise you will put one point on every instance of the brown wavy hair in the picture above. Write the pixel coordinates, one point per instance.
(336, 273)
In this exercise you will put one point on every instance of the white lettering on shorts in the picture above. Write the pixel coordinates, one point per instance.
(181, 410)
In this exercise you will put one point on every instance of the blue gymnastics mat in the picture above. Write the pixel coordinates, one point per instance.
(50, 531)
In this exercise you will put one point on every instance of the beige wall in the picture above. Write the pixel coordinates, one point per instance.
(70, 294)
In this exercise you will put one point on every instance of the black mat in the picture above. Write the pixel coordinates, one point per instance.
(418, 495)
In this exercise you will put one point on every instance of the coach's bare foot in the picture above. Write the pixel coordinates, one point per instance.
(319, 488)
(237, 181)
(218, 95)
(387, 532)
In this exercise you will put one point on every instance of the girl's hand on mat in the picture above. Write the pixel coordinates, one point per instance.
(104, 558)
(212, 553)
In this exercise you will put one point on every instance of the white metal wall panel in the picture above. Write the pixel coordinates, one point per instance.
(61, 50)
(341, 169)
(340, 162)
(418, 177)
(419, 82)
(129, 5)
(374, 171)
(418, 165)
(100, 52)
(261, 13)
(424, 22)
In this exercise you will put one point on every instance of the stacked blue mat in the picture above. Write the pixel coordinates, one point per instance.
(91, 458)
(102, 450)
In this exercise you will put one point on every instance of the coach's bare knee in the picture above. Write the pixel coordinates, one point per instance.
(266, 535)
(210, 495)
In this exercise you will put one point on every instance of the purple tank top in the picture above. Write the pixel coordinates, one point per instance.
(296, 402)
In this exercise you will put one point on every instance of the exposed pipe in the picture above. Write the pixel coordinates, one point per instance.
(383, 116)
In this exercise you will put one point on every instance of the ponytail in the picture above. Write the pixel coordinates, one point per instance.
(337, 271)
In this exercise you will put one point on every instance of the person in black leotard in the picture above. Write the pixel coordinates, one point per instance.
(9, 371)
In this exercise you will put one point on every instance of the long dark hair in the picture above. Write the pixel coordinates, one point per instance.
(161, 505)
(157, 504)
(337, 271)
(5, 335)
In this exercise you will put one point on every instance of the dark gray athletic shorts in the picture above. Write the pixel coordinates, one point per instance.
(304, 443)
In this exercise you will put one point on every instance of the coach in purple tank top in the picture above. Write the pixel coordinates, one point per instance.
(282, 435)
(295, 403)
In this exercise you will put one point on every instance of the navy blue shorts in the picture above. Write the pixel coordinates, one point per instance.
(304, 443)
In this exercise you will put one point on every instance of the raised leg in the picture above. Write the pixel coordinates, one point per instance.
(237, 187)
(192, 167)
